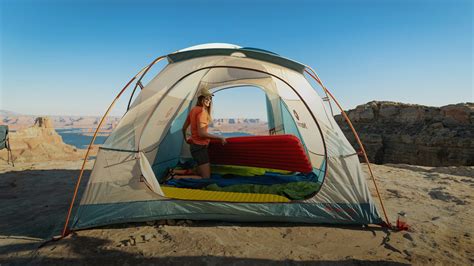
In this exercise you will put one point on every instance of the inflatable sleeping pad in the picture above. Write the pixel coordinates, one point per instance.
(284, 152)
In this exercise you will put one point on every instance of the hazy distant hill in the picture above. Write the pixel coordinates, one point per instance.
(7, 113)
(252, 126)
(17, 121)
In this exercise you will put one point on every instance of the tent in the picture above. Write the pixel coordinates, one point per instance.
(124, 183)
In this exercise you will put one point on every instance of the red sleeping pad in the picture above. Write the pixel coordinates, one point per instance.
(283, 152)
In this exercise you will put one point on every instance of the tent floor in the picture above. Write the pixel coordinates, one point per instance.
(198, 194)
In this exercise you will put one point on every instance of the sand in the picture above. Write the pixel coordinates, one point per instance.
(438, 201)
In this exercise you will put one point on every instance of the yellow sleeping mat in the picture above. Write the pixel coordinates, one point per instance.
(198, 194)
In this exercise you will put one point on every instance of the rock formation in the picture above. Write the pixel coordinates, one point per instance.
(43, 122)
(40, 142)
(414, 134)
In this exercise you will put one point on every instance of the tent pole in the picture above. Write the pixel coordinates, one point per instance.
(65, 231)
(320, 83)
(318, 80)
(143, 75)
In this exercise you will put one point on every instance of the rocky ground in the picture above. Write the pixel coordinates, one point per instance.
(437, 200)
(408, 133)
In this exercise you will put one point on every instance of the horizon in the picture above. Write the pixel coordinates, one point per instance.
(214, 118)
(71, 59)
(114, 116)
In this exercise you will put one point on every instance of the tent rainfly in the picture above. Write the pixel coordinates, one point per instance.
(124, 183)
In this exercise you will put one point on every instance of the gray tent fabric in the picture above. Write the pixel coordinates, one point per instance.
(3, 136)
(124, 183)
(5, 143)
(248, 52)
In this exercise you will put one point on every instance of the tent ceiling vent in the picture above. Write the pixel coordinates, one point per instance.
(238, 54)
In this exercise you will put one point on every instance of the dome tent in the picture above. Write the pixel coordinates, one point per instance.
(124, 182)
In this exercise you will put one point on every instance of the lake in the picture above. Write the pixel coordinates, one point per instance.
(74, 137)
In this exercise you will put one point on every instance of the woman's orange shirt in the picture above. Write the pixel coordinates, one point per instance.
(198, 117)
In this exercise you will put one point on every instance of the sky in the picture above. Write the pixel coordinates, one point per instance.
(72, 57)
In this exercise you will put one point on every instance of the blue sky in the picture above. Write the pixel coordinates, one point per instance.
(72, 57)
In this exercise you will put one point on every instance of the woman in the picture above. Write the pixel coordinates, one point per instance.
(199, 119)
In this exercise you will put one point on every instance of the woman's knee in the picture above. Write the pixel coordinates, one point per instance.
(205, 170)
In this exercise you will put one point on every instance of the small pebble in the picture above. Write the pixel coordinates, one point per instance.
(408, 236)
(171, 222)
(147, 237)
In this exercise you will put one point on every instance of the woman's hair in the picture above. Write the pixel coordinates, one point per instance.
(200, 102)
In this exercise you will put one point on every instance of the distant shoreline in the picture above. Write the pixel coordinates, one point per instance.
(81, 140)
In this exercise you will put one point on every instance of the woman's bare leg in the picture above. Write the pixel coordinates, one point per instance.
(188, 176)
(184, 171)
(203, 171)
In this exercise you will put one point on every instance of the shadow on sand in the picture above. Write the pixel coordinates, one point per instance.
(90, 250)
(34, 203)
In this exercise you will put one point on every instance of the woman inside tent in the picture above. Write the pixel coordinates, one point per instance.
(199, 119)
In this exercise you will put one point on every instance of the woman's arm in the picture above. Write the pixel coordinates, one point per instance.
(202, 128)
(203, 133)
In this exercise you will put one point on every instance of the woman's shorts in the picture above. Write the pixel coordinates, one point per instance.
(200, 153)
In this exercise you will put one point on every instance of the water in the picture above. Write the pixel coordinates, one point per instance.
(75, 138)
(235, 134)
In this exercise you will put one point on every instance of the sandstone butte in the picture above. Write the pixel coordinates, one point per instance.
(40, 142)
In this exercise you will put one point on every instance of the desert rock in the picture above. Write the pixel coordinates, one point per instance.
(40, 142)
(407, 133)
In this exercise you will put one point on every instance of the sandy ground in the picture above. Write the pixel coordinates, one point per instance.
(439, 202)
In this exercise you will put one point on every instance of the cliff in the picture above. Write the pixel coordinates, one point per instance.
(414, 134)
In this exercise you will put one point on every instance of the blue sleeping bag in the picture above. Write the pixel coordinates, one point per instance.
(229, 180)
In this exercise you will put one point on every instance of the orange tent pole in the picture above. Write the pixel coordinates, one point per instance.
(143, 72)
(143, 75)
(318, 80)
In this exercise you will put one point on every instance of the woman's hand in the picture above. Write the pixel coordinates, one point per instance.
(223, 141)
